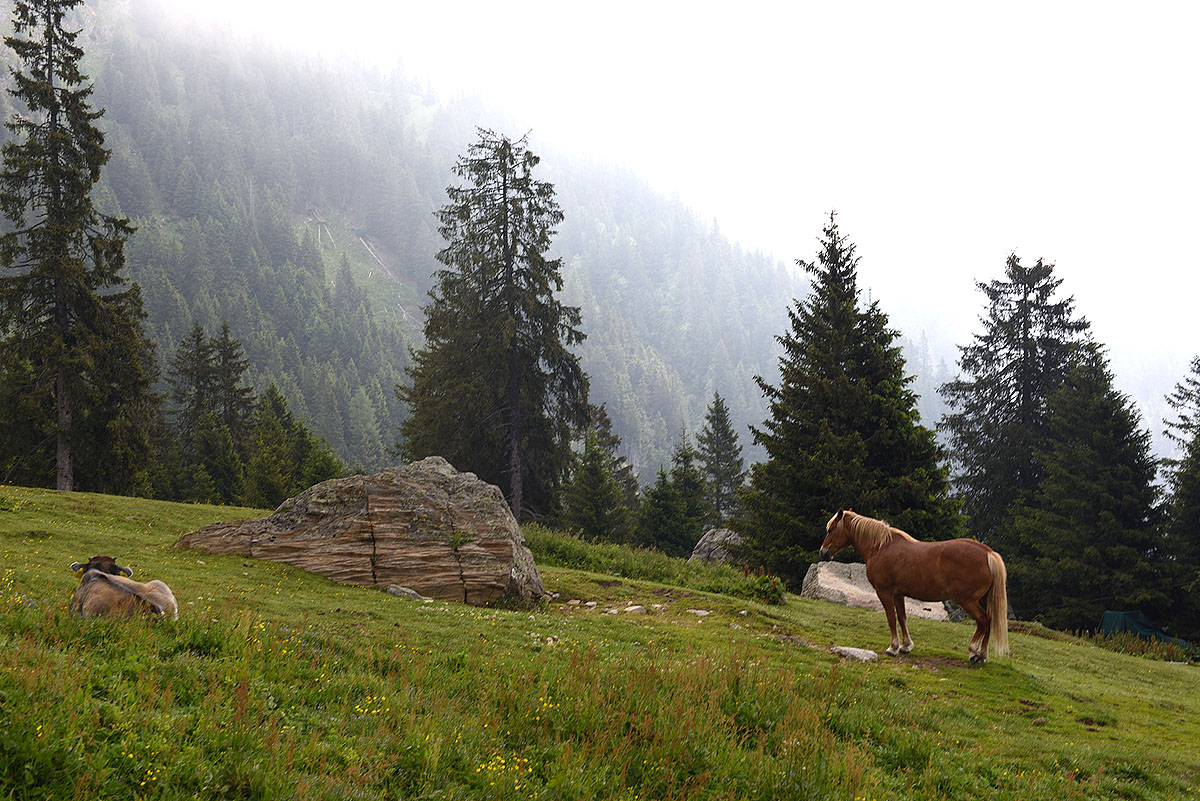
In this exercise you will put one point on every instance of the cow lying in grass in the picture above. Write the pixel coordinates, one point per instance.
(106, 589)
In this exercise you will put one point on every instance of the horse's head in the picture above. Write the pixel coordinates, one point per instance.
(837, 535)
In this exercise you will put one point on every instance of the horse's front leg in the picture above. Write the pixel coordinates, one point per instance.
(889, 608)
(906, 642)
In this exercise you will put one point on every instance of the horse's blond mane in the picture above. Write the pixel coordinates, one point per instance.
(875, 533)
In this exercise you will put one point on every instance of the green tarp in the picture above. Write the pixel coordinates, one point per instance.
(1134, 622)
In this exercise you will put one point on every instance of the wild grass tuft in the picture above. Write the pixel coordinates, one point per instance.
(559, 549)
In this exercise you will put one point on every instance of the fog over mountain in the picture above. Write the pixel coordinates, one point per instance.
(946, 136)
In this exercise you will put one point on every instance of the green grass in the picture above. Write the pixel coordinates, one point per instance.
(556, 549)
(276, 683)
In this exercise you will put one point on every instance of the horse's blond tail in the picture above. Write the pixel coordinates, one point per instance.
(998, 604)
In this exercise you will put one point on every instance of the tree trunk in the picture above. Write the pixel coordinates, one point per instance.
(516, 470)
(64, 461)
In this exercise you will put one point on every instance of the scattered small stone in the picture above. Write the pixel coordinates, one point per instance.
(701, 612)
(612, 611)
(743, 613)
(551, 640)
(636, 609)
(735, 626)
(574, 602)
(590, 604)
(199, 561)
(855, 654)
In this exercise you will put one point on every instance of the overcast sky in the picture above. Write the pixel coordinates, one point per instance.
(946, 135)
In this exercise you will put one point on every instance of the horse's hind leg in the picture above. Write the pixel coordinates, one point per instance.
(979, 642)
(906, 643)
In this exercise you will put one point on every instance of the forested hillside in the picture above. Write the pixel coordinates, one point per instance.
(294, 200)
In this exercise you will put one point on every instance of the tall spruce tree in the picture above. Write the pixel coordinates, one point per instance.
(843, 430)
(721, 455)
(285, 457)
(662, 519)
(610, 443)
(233, 398)
(1088, 533)
(999, 403)
(688, 477)
(1182, 534)
(592, 500)
(496, 389)
(75, 365)
(600, 499)
(193, 380)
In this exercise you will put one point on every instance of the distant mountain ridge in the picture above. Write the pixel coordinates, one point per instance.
(295, 202)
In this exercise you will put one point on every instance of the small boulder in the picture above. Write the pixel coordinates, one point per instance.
(717, 545)
(854, 654)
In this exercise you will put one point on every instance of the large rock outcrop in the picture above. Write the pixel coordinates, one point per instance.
(846, 583)
(717, 545)
(424, 526)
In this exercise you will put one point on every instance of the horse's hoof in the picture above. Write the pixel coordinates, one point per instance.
(891, 652)
(976, 659)
(904, 649)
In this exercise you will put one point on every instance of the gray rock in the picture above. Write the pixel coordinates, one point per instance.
(424, 526)
(955, 612)
(855, 654)
(403, 592)
(717, 545)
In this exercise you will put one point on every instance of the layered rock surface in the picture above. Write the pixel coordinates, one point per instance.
(424, 526)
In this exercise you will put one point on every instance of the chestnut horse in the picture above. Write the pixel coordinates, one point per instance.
(899, 566)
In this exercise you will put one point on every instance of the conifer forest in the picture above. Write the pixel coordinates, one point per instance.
(227, 274)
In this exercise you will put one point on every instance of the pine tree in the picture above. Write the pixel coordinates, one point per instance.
(1182, 531)
(72, 351)
(496, 389)
(285, 458)
(662, 520)
(193, 380)
(267, 482)
(1184, 401)
(1088, 533)
(610, 443)
(688, 479)
(999, 402)
(233, 398)
(600, 499)
(721, 455)
(215, 454)
(592, 502)
(843, 430)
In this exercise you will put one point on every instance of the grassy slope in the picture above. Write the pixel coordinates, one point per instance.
(276, 683)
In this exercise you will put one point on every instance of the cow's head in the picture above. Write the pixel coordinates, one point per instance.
(105, 564)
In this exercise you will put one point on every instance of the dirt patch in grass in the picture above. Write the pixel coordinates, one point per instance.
(934, 664)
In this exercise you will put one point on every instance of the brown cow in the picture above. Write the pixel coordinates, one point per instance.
(106, 589)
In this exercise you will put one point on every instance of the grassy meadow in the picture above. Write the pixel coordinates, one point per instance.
(275, 683)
